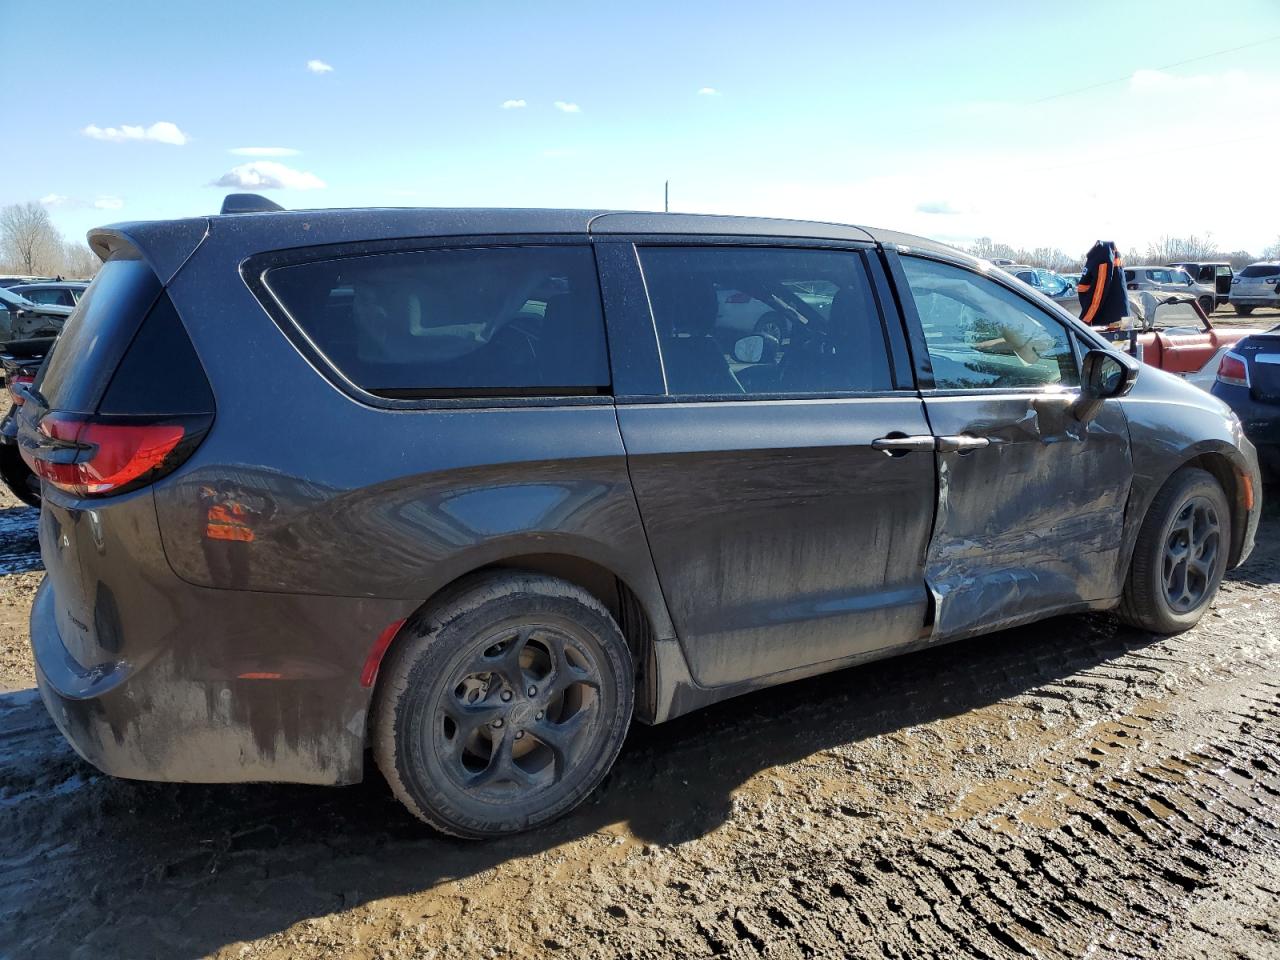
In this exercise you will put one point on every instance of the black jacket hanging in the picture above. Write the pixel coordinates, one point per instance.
(1102, 297)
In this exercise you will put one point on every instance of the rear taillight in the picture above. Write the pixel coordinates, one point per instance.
(1233, 369)
(16, 382)
(94, 457)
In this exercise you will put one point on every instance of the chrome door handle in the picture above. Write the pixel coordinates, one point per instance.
(960, 443)
(895, 445)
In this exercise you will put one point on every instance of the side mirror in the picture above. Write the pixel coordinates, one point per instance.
(1104, 376)
(757, 348)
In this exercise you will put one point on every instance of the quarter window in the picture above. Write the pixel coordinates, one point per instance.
(479, 321)
(765, 320)
(982, 335)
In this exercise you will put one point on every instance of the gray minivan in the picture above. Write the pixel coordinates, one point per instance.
(474, 488)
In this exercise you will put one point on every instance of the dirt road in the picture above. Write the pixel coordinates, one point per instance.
(1073, 788)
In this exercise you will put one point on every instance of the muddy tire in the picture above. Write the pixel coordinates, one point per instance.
(1180, 556)
(503, 704)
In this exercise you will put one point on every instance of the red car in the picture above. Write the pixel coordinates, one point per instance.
(1177, 335)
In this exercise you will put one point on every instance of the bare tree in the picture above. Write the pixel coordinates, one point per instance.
(29, 242)
(78, 261)
(1272, 252)
(1242, 258)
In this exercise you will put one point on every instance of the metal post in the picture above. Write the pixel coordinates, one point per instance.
(666, 196)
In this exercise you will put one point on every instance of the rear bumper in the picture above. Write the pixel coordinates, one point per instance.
(1267, 299)
(184, 717)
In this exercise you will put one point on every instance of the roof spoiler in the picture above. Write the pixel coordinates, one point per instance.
(248, 203)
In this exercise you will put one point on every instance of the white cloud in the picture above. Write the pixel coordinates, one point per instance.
(319, 66)
(708, 92)
(160, 132)
(102, 202)
(564, 107)
(937, 207)
(514, 104)
(267, 175)
(264, 151)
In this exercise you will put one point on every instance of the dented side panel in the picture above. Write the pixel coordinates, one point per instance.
(1033, 523)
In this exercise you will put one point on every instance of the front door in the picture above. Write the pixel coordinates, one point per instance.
(787, 527)
(1031, 501)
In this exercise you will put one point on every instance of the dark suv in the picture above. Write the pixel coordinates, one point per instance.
(473, 488)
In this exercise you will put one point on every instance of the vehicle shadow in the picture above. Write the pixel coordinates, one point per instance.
(119, 867)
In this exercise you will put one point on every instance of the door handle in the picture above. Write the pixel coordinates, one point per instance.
(961, 443)
(897, 444)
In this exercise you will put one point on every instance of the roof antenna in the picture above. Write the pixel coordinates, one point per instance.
(248, 203)
(666, 196)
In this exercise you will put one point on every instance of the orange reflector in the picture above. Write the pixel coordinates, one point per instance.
(262, 676)
(374, 660)
(1247, 481)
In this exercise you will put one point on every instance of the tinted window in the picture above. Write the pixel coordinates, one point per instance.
(765, 320)
(1260, 270)
(486, 321)
(96, 334)
(61, 298)
(980, 334)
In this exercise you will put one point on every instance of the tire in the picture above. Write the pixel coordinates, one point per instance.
(1189, 517)
(1207, 304)
(17, 476)
(1242, 310)
(481, 728)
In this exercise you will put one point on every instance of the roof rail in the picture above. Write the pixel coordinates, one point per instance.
(248, 203)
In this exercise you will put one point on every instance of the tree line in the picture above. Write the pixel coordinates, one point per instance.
(30, 245)
(1164, 250)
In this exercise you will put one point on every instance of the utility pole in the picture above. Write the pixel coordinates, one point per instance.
(666, 196)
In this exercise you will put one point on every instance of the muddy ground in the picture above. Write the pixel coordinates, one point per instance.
(1069, 789)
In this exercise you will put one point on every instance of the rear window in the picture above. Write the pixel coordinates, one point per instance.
(477, 321)
(96, 335)
(1261, 270)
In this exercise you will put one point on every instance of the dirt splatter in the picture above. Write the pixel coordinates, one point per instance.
(1068, 788)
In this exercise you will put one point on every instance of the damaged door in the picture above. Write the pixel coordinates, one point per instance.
(1031, 501)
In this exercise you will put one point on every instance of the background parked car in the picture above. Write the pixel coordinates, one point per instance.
(20, 361)
(20, 318)
(1257, 285)
(1248, 379)
(1177, 335)
(1211, 273)
(1053, 285)
(12, 281)
(1170, 280)
(62, 293)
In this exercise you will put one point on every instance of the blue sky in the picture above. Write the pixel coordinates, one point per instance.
(916, 115)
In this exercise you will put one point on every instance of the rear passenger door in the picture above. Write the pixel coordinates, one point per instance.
(784, 477)
(1031, 501)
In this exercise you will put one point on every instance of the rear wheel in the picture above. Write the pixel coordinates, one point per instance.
(1207, 304)
(17, 476)
(1242, 310)
(1180, 556)
(505, 707)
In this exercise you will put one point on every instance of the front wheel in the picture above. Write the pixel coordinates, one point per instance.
(505, 706)
(1180, 556)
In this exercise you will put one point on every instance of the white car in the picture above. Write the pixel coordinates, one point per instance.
(1170, 280)
(1257, 285)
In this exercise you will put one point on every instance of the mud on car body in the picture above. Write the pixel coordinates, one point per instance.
(474, 488)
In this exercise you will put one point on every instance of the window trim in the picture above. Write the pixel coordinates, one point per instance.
(641, 314)
(1081, 337)
(253, 271)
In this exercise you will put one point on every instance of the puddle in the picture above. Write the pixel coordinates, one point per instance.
(19, 540)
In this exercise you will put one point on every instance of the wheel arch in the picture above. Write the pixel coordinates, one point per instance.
(638, 622)
(1221, 461)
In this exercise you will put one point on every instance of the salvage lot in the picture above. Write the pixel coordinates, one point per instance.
(1068, 787)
